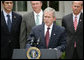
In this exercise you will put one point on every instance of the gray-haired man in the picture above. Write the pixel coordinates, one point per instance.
(51, 36)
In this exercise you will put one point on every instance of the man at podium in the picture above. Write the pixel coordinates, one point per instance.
(48, 34)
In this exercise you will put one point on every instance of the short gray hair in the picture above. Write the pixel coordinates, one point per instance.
(49, 9)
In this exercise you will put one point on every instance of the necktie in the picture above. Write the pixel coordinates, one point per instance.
(75, 27)
(37, 19)
(75, 23)
(9, 22)
(47, 37)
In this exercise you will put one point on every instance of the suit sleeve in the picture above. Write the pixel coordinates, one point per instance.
(23, 34)
(62, 41)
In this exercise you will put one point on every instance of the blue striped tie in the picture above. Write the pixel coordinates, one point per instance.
(9, 23)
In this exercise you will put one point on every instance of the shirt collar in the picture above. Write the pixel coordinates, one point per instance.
(77, 15)
(49, 27)
(41, 12)
(5, 14)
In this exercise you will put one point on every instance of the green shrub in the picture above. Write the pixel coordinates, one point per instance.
(63, 55)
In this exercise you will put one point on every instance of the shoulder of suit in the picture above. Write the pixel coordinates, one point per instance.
(68, 15)
(17, 14)
(28, 14)
(37, 27)
(60, 28)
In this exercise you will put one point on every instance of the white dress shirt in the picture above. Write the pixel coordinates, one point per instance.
(5, 15)
(40, 16)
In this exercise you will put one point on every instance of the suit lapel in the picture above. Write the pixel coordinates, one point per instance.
(80, 20)
(53, 34)
(13, 21)
(33, 19)
(3, 22)
(71, 23)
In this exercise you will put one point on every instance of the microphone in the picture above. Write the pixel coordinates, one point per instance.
(32, 41)
(38, 41)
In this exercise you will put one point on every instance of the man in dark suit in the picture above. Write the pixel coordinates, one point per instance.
(74, 29)
(10, 30)
(29, 20)
(54, 37)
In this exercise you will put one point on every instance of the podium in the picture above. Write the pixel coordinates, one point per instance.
(45, 54)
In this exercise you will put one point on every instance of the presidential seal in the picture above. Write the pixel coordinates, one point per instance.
(33, 53)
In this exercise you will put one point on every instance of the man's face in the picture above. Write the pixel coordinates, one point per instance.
(76, 7)
(36, 5)
(48, 18)
(8, 5)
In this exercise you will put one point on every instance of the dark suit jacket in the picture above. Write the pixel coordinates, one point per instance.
(57, 39)
(10, 40)
(72, 36)
(28, 22)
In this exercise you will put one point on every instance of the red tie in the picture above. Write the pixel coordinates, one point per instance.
(75, 23)
(75, 27)
(47, 37)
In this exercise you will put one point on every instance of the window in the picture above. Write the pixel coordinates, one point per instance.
(44, 4)
(53, 4)
(20, 6)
